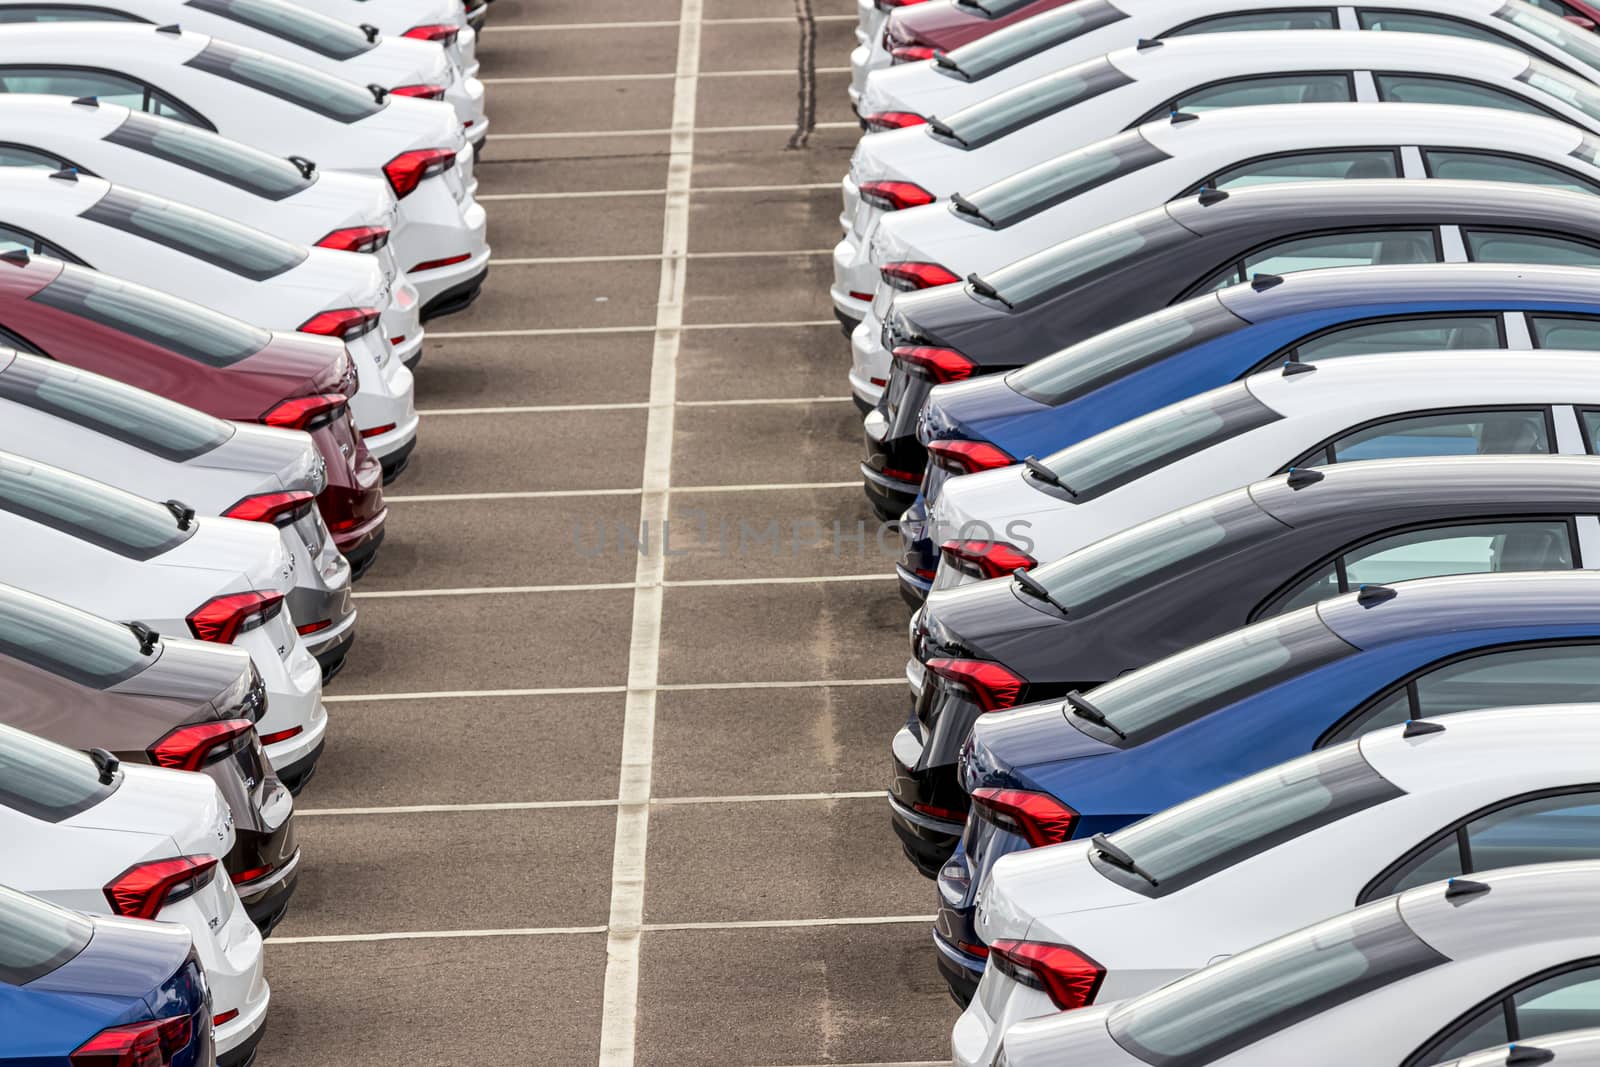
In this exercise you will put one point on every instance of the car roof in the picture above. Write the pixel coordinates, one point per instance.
(1473, 745)
(1550, 601)
(23, 113)
(1211, 57)
(1509, 285)
(38, 191)
(1523, 906)
(1574, 1048)
(92, 44)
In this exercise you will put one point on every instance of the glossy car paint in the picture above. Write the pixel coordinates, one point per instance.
(942, 24)
(400, 16)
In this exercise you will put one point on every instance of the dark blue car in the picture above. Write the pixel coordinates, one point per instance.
(81, 991)
(1254, 698)
(1218, 338)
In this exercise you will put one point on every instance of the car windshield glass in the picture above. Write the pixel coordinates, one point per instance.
(1048, 272)
(1118, 456)
(997, 51)
(144, 420)
(119, 522)
(309, 29)
(1005, 112)
(1088, 365)
(36, 937)
(46, 780)
(217, 240)
(332, 97)
(188, 329)
(1570, 90)
(1581, 45)
(218, 157)
(1179, 689)
(1056, 181)
(65, 641)
(1229, 1005)
(1185, 844)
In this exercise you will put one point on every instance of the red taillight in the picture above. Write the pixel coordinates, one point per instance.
(309, 628)
(894, 196)
(967, 457)
(344, 323)
(280, 509)
(435, 264)
(910, 53)
(226, 1017)
(993, 559)
(406, 171)
(281, 735)
(892, 120)
(1039, 817)
(991, 685)
(909, 277)
(251, 874)
(434, 31)
(940, 364)
(223, 618)
(890, 5)
(421, 92)
(188, 748)
(307, 412)
(375, 431)
(356, 239)
(148, 1044)
(1070, 978)
(145, 888)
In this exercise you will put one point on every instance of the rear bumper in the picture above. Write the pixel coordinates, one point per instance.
(888, 496)
(396, 460)
(244, 1053)
(358, 543)
(847, 321)
(362, 558)
(331, 655)
(926, 842)
(913, 587)
(961, 972)
(269, 899)
(457, 297)
(295, 775)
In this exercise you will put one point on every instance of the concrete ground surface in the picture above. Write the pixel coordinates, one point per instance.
(581, 804)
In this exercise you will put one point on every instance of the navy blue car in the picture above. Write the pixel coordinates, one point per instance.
(1211, 340)
(81, 991)
(1254, 698)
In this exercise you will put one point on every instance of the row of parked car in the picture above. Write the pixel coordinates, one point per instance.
(223, 225)
(1231, 370)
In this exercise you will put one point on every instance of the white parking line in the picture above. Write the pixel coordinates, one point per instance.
(529, 27)
(541, 494)
(545, 409)
(565, 331)
(590, 134)
(549, 931)
(646, 257)
(600, 690)
(590, 587)
(540, 79)
(435, 935)
(546, 805)
(585, 194)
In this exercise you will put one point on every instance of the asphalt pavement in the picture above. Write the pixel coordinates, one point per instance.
(581, 803)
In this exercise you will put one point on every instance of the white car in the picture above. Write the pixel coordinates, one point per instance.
(1403, 980)
(231, 267)
(1575, 1048)
(157, 449)
(1086, 29)
(1333, 830)
(426, 20)
(356, 52)
(126, 558)
(289, 110)
(1028, 143)
(1228, 149)
(1380, 406)
(91, 834)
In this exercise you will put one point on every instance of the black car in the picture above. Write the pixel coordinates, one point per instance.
(1159, 587)
(1187, 248)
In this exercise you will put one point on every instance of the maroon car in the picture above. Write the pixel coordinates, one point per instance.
(208, 361)
(915, 31)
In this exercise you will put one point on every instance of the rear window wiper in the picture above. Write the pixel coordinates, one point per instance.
(1035, 588)
(945, 130)
(180, 511)
(1048, 476)
(148, 638)
(1089, 713)
(942, 58)
(983, 288)
(1118, 858)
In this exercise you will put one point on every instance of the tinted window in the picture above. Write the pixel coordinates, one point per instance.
(1427, 89)
(309, 29)
(310, 89)
(1563, 331)
(1488, 246)
(1101, 359)
(1236, 1002)
(144, 420)
(995, 8)
(1012, 45)
(1048, 272)
(1575, 42)
(110, 88)
(12, 155)
(1167, 694)
(1416, 22)
(1256, 92)
(217, 240)
(1429, 334)
(1329, 250)
(63, 13)
(1185, 844)
(1048, 184)
(37, 937)
(1488, 167)
(218, 157)
(1570, 90)
(1310, 167)
(46, 780)
(1591, 430)
(1311, 19)
(119, 522)
(188, 329)
(68, 642)
(1013, 109)
(1120, 455)
(1456, 433)
(1568, 1001)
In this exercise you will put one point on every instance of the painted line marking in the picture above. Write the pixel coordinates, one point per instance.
(554, 805)
(556, 931)
(650, 257)
(595, 587)
(565, 331)
(555, 135)
(530, 27)
(641, 405)
(541, 79)
(602, 193)
(542, 494)
(599, 690)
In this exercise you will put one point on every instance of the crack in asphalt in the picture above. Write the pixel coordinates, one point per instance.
(806, 116)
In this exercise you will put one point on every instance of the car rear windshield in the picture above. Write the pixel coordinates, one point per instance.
(1225, 827)
(994, 8)
(309, 29)
(1042, 187)
(214, 239)
(1081, 368)
(1232, 1004)
(234, 162)
(331, 97)
(994, 53)
(1045, 274)
(196, 332)
(1003, 113)
(1568, 88)
(148, 422)
(1553, 29)
(1133, 449)
(46, 780)
(67, 642)
(1168, 693)
(36, 937)
(119, 522)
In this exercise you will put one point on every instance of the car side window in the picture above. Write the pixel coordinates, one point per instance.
(1424, 333)
(12, 239)
(1303, 19)
(63, 13)
(1456, 433)
(1493, 167)
(15, 155)
(1340, 165)
(1501, 246)
(1426, 89)
(1417, 22)
(109, 87)
(1567, 1000)
(1327, 250)
(1565, 331)
(1274, 89)
(1463, 548)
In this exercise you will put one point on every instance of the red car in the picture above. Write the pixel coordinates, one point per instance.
(914, 31)
(209, 361)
